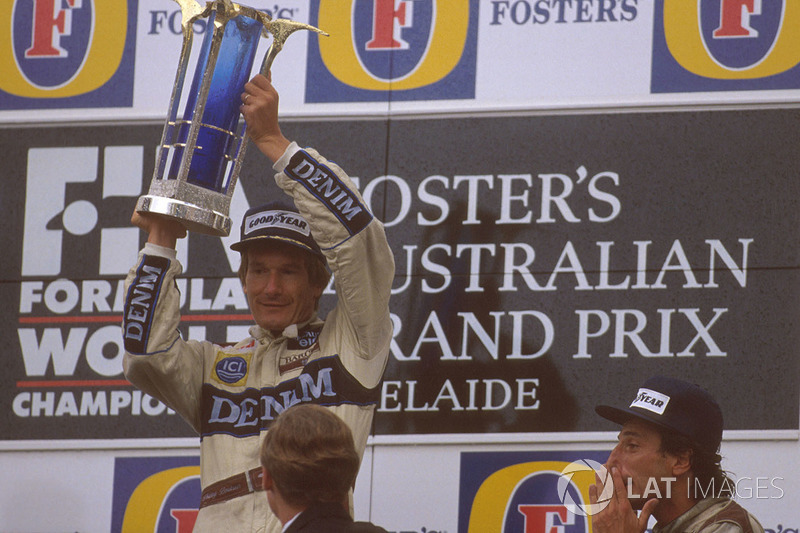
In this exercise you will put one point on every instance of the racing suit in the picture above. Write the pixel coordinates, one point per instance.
(713, 515)
(230, 395)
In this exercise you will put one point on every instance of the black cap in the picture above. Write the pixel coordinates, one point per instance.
(677, 406)
(277, 221)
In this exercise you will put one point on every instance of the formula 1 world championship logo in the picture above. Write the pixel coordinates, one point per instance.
(67, 53)
(392, 49)
(725, 45)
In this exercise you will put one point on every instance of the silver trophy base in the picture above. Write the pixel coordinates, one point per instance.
(194, 218)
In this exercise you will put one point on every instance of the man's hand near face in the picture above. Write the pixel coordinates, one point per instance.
(618, 516)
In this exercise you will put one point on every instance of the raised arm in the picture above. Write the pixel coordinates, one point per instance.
(352, 239)
(161, 230)
(260, 110)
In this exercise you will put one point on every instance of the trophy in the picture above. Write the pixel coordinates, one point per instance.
(200, 154)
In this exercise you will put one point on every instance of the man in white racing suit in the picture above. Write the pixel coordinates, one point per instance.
(230, 395)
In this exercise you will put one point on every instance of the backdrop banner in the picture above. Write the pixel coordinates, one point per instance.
(544, 265)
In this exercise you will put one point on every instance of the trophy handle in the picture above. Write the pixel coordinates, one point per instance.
(280, 30)
(189, 10)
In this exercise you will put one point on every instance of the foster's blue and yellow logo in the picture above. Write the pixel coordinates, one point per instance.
(67, 53)
(158, 494)
(726, 45)
(392, 49)
(524, 492)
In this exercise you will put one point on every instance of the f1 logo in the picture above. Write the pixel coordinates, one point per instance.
(734, 19)
(48, 214)
(50, 22)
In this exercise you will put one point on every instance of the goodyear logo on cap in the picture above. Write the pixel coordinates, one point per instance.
(651, 400)
(276, 219)
(412, 50)
(726, 45)
(67, 53)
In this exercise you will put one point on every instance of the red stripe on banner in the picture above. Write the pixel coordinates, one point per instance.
(118, 318)
(67, 319)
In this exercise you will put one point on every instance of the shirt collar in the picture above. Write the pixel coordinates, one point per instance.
(290, 332)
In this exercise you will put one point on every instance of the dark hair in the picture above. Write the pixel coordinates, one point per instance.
(709, 477)
(310, 455)
(318, 273)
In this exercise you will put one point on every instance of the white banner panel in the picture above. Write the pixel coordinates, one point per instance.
(422, 487)
(116, 59)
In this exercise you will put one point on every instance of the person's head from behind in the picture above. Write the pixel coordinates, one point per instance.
(308, 455)
(671, 431)
(282, 269)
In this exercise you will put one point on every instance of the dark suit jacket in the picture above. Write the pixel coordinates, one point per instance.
(330, 518)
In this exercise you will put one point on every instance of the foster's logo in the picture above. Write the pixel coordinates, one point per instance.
(412, 50)
(724, 45)
(523, 491)
(155, 494)
(68, 53)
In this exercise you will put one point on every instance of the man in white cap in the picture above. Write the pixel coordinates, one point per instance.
(667, 465)
(231, 394)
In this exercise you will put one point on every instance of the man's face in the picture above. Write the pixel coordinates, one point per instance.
(646, 470)
(277, 286)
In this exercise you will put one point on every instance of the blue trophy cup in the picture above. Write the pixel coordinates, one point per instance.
(200, 154)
